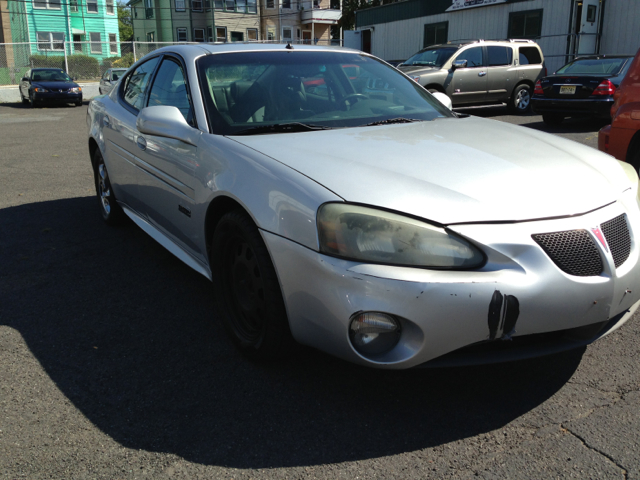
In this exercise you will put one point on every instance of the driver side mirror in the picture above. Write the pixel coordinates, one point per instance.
(459, 64)
(166, 121)
(25, 79)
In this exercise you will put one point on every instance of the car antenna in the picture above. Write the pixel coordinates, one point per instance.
(289, 47)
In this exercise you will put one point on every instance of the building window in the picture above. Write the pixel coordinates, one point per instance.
(50, 40)
(135, 12)
(180, 6)
(73, 6)
(287, 34)
(271, 4)
(230, 5)
(218, 4)
(252, 6)
(151, 36)
(207, 5)
(271, 35)
(113, 43)
(198, 34)
(435, 33)
(286, 3)
(148, 9)
(181, 34)
(525, 24)
(50, 4)
(209, 34)
(221, 34)
(196, 6)
(592, 11)
(252, 34)
(96, 42)
(110, 9)
(92, 6)
(241, 6)
(237, 37)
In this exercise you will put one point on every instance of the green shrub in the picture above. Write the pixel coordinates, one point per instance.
(125, 61)
(83, 67)
(46, 61)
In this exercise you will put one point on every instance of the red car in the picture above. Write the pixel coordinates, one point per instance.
(622, 138)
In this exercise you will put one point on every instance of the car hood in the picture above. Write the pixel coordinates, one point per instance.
(453, 170)
(421, 69)
(48, 85)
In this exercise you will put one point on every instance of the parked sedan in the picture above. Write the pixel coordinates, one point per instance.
(581, 88)
(109, 79)
(622, 138)
(383, 229)
(49, 85)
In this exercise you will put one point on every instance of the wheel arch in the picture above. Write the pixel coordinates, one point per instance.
(523, 81)
(633, 149)
(218, 207)
(93, 146)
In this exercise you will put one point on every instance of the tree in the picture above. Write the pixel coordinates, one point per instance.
(349, 7)
(125, 25)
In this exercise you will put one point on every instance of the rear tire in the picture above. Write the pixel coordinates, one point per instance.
(552, 119)
(247, 290)
(520, 102)
(111, 212)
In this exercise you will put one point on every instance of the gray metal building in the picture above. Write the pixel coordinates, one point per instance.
(563, 28)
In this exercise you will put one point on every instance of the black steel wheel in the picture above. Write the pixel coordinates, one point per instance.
(111, 212)
(520, 102)
(552, 118)
(247, 289)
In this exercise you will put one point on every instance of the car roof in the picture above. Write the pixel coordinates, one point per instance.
(191, 52)
(47, 69)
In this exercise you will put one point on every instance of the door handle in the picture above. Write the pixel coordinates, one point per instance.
(482, 74)
(142, 143)
(105, 120)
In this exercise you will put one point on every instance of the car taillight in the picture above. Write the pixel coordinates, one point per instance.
(538, 88)
(605, 88)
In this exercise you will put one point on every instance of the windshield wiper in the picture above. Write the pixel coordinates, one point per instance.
(393, 120)
(281, 128)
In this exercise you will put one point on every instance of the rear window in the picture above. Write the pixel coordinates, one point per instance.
(529, 56)
(431, 57)
(593, 66)
(499, 56)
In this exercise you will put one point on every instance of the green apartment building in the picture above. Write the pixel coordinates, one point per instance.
(195, 20)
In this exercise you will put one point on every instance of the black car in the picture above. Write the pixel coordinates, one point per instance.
(50, 85)
(582, 88)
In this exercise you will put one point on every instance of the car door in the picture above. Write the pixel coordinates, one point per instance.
(120, 133)
(104, 89)
(470, 83)
(168, 166)
(501, 73)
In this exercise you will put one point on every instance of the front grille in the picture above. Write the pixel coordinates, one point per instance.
(572, 251)
(616, 231)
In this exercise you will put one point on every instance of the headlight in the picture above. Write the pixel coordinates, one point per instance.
(40, 89)
(75, 89)
(366, 234)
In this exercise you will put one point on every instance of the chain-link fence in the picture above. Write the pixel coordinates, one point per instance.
(83, 61)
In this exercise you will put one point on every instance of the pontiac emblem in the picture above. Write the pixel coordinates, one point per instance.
(598, 234)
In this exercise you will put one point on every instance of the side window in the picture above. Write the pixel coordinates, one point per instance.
(170, 88)
(499, 56)
(137, 83)
(529, 55)
(473, 56)
(106, 75)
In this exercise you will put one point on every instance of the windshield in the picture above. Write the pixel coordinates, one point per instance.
(593, 66)
(435, 57)
(251, 91)
(50, 75)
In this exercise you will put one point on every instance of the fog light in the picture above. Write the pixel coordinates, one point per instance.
(374, 333)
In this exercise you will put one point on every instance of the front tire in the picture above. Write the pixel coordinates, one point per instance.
(111, 212)
(32, 101)
(520, 102)
(247, 290)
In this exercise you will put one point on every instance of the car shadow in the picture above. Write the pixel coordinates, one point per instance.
(131, 336)
(570, 125)
(27, 106)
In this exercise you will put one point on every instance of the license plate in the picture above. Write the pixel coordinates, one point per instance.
(567, 90)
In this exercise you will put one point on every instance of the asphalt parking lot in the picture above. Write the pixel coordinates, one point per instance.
(113, 364)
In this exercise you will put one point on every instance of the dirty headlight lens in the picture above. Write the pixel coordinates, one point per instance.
(75, 89)
(370, 235)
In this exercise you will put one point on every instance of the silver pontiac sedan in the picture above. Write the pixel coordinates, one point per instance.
(334, 202)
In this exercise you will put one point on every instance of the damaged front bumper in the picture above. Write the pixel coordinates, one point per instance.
(519, 294)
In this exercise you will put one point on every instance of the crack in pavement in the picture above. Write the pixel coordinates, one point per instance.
(625, 472)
